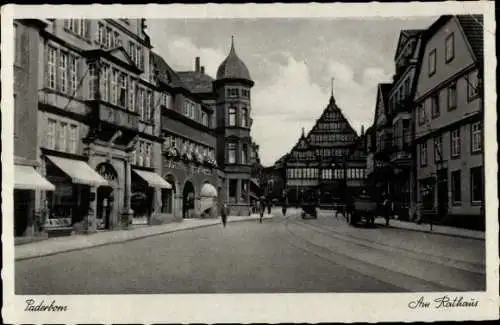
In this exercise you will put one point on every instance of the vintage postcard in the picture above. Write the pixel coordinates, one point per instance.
(249, 163)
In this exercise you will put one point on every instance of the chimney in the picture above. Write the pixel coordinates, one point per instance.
(197, 64)
(202, 70)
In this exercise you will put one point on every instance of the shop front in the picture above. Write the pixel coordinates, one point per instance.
(146, 188)
(73, 200)
(26, 182)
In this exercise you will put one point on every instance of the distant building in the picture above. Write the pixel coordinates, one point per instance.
(318, 165)
(448, 125)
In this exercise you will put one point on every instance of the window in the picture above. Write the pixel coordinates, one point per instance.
(140, 57)
(73, 134)
(147, 158)
(244, 117)
(232, 188)
(118, 41)
(186, 109)
(455, 143)
(456, 187)
(438, 148)
(450, 48)
(141, 103)
(232, 116)
(472, 85)
(204, 118)
(476, 182)
(452, 96)
(244, 154)
(73, 74)
(63, 127)
(78, 27)
(476, 137)
(132, 51)
(423, 154)
(432, 62)
(105, 83)
(92, 80)
(110, 37)
(52, 62)
(148, 110)
(102, 34)
(131, 95)
(231, 150)
(421, 113)
(63, 72)
(114, 87)
(140, 155)
(51, 133)
(435, 111)
(122, 90)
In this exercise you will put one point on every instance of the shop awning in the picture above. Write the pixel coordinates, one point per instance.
(208, 190)
(79, 171)
(27, 178)
(153, 179)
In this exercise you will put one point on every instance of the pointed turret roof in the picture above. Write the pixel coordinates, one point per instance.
(233, 67)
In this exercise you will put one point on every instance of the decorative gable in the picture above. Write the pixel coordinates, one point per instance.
(120, 54)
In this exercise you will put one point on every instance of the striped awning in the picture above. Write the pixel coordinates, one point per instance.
(153, 179)
(79, 171)
(27, 178)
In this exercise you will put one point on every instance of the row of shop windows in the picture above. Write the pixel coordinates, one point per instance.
(457, 186)
(332, 126)
(331, 137)
(313, 173)
(455, 144)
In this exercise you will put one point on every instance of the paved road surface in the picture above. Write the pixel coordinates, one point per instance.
(280, 255)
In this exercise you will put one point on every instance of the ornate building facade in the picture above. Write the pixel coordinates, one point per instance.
(319, 165)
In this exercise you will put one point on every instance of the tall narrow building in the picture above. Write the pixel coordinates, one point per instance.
(233, 107)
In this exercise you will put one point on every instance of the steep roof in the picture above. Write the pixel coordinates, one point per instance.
(404, 36)
(472, 26)
(166, 74)
(196, 82)
(233, 67)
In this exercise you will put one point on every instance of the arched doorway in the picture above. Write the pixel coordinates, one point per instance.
(106, 196)
(187, 199)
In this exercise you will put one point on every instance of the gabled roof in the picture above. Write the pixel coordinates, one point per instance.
(404, 36)
(472, 25)
(196, 82)
(382, 93)
(166, 74)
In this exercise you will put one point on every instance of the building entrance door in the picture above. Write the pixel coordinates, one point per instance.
(105, 201)
(187, 200)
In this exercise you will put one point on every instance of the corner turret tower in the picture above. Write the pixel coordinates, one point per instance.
(234, 122)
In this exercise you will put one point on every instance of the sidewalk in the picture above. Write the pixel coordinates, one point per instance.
(57, 245)
(436, 229)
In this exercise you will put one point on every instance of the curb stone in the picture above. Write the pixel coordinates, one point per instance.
(123, 240)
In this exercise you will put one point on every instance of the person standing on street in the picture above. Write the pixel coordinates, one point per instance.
(269, 205)
(223, 214)
(262, 208)
(386, 207)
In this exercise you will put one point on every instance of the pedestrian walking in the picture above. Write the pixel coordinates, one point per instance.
(262, 208)
(269, 205)
(223, 214)
(284, 207)
(386, 208)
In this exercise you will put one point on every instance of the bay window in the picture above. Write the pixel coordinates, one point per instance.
(51, 69)
(231, 152)
(232, 116)
(63, 71)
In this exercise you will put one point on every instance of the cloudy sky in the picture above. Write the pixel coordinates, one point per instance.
(292, 62)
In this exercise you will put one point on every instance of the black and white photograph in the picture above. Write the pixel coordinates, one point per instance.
(249, 163)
